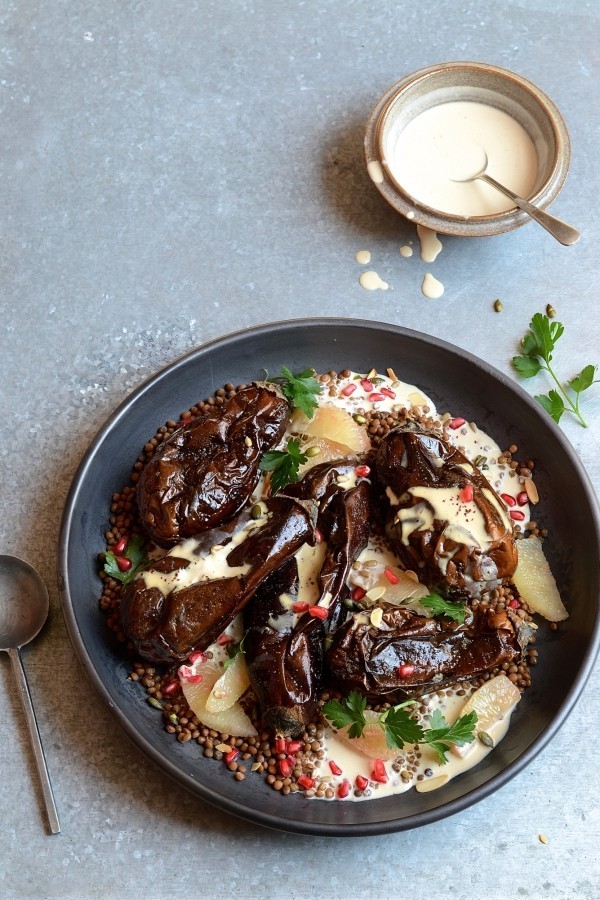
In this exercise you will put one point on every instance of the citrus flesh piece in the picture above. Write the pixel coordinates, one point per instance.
(229, 687)
(335, 425)
(233, 721)
(492, 702)
(372, 742)
(535, 582)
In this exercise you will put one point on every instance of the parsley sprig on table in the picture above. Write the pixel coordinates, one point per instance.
(441, 607)
(135, 552)
(283, 464)
(400, 726)
(538, 347)
(300, 390)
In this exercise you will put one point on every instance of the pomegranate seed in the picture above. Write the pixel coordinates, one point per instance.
(406, 670)
(517, 515)
(319, 612)
(348, 390)
(343, 789)
(123, 563)
(379, 774)
(233, 754)
(285, 767)
(362, 471)
(280, 745)
(466, 494)
(456, 423)
(393, 579)
(195, 679)
(197, 657)
(514, 604)
(366, 385)
(293, 746)
(508, 499)
(119, 548)
(318, 536)
(306, 782)
(361, 782)
(225, 639)
(184, 672)
(185, 421)
(300, 607)
(171, 687)
(335, 769)
(376, 398)
(523, 498)
(358, 593)
(388, 393)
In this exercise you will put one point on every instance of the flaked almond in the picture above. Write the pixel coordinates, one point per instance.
(531, 490)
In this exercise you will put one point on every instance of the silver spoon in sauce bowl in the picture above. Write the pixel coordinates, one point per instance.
(564, 233)
(24, 608)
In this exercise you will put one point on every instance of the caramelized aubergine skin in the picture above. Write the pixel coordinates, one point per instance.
(169, 628)
(286, 660)
(204, 474)
(368, 659)
(408, 457)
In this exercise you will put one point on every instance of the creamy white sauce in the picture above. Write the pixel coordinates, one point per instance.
(447, 142)
(363, 257)
(431, 246)
(406, 251)
(372, 282)
(431, 287)
(375, 171)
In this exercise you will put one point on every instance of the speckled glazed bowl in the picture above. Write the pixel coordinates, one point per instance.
(476, 82)
(456, 381)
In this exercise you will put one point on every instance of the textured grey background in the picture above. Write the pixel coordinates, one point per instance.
(173, 171)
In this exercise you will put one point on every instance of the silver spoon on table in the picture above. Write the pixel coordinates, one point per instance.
(564, 233)
(24, 608)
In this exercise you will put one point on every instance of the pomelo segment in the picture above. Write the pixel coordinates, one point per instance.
(398, 587)
(492, 702)
(372, 743)
(233, 721)
(229, 687)
(535, 582)
(333, 424)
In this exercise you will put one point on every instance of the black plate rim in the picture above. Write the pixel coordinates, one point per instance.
(251, 813)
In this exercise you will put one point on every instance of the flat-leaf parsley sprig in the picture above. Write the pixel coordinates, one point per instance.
(300, 390)
(283, 465)
(538, 346)
(440, 607)
(399, 725)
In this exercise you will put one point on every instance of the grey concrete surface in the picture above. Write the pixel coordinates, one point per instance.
(173, 171)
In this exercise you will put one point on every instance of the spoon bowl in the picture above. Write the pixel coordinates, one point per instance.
(563, 233)
(24, 606)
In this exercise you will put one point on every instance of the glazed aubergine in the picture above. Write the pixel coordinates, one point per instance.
(175, 607)
(444, 520)
(202, 476)
(284, 653)
(411, 651)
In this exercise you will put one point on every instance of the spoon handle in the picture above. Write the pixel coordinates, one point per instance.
(34, 734)
(564, 233)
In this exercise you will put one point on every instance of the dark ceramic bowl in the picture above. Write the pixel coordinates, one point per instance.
(456, 381)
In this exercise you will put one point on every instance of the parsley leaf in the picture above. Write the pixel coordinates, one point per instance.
(399, 726)
(440, 607)
(301, 390)
(440, 736)
(135, 552)
(348, 712)
(283, 464)
(235, 651)
(538, 347)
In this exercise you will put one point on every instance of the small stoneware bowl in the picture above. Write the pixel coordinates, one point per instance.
(480, 83)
